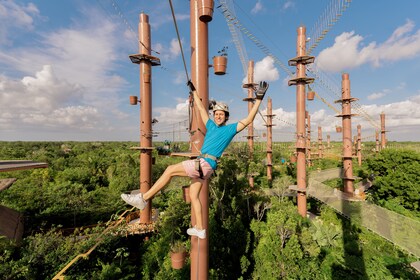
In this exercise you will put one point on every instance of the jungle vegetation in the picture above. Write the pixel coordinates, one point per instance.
(253, 235)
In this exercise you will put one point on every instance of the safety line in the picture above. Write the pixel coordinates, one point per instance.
(179, 40)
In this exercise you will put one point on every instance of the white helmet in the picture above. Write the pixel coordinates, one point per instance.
(219, 106)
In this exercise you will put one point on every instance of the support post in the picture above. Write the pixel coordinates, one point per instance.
(328, 141)
(320, 147)
(250, 99)
(199, 77)
(346, 115)
(308, 139)
(301, 80)
(359, 145)
(145, 61)
(383, 138)
(269, 139)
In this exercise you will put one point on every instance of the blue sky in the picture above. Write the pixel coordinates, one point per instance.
(65, 72)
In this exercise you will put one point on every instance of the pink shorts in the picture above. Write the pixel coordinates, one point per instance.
(189, 167)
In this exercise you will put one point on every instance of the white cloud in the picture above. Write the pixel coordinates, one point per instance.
(376, 95)
(44, 101)
(166, 115)
(257, 8)
(346, 52)
(170, 52)
(14, 16)
(288, 4)
(68, 81)
(402, 120)
(265, 70)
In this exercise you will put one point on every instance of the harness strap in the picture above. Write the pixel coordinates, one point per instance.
(198, 165)
(198, 168)
(208, 156)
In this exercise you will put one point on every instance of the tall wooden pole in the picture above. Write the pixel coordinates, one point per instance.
(383, 139)
(250, 99)
(328, 141)
(145, 61)
(346, 115)
(199, 77)
(320, 147)
(308, 139)
(301, 80)
(269, 139)
(359, 145)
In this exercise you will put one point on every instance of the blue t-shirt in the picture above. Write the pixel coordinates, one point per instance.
(217, 139)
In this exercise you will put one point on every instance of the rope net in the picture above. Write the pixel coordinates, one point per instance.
(398, 229)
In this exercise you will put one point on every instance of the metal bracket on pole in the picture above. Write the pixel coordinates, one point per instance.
(138, 58)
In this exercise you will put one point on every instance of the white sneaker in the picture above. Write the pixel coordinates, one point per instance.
(135, 200)
(200, 233)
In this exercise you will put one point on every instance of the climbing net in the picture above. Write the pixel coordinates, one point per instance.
(398, 229)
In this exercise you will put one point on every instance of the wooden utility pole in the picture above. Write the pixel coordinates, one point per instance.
(269, 139)
(145, 61)
(346, 115)
(250, 99)
(308, 139)
(300, 81)
(328, 141)
(383, 138)
(250, 86)
(200, 14)
(359, 145)
(320, 146)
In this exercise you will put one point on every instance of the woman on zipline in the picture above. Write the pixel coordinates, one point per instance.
(217, 138)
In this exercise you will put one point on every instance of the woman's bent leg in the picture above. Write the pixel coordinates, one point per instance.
(171, 171)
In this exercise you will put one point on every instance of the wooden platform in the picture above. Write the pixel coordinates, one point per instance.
(416, 265)
(6, 183)
(12, 165)
(11, 223)
(186, 154)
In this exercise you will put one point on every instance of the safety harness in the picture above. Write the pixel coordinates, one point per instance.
(198, 165)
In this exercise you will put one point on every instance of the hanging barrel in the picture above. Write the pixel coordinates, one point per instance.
(205, 10)
(219, 65)
(338, 129)
(311, 95)
(133, 100)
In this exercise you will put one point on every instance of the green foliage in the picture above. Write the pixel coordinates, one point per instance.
(282, 245)
(251, 235)
(172, 226)
(229, 220)
(397, 180)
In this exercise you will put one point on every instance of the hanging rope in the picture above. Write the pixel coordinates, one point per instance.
(179, 41)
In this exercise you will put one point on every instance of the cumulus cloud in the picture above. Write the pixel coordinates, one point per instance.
(65, 80)
(169, 52)
(265, 70)
(402, 121)
(347, 51)
(376, 95)
(15, 16)
(167, 115)
(43, 100)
